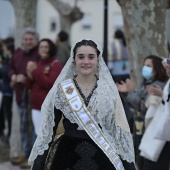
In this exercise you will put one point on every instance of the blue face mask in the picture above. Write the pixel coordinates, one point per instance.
(147, 72)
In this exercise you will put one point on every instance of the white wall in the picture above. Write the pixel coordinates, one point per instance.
(95, 8)
(46, 14)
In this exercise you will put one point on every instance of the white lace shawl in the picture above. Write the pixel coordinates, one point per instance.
(106, 106)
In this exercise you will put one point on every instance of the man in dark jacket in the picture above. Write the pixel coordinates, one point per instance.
(27, 52)
(63, 47)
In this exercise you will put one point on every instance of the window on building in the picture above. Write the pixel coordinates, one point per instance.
(53, 26)
(87, 21)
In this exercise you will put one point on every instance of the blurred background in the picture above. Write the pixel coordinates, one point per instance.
(144, 24)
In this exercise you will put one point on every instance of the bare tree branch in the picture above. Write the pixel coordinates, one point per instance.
(68, 14)
(62, 7)
(73, 13)
(122, 2)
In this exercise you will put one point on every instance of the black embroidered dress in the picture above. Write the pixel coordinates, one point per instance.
(75, 150)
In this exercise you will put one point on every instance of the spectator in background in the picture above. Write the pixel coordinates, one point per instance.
(6, 106)
(119, 67)
(27, 52)
(153, 75)
(119, 64)
(41, 77)
(63, 47)
(162, 128)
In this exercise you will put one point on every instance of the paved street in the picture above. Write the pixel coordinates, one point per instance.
(15, 145)
(8, 166)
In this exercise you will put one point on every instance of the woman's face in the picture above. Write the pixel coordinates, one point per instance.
(86, 60)
(43, 50)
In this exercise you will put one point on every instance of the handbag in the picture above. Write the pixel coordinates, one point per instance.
(151, 147)
(163, 127)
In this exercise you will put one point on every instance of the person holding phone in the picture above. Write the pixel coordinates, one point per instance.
(163, 126)
(154, 75)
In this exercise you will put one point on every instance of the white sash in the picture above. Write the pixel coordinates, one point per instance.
(88, 123)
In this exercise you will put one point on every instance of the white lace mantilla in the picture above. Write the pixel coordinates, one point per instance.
(106, 107)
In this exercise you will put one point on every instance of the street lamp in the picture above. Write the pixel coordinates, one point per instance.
(105, 38)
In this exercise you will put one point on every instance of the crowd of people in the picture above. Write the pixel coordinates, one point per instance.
(105, 121)
(27, 73)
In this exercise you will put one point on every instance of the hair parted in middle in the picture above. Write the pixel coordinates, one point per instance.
(85, 43)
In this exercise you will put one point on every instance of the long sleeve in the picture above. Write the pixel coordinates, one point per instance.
(128, 166)
(40, 160)
(46, 80)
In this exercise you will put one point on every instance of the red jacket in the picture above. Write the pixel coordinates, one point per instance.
(17, 65)
(44, 77)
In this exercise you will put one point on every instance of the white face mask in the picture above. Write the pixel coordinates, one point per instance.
(147, 72)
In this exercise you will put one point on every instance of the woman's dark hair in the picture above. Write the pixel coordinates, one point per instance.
(9, 43)
(86, 43)
(120, 35)
(159, 70)
(63, 36)
(52, 47)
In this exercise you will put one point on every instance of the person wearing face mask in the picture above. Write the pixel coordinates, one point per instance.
(157, 135)
(153, 74)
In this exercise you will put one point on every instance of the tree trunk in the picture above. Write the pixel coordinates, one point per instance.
(68, 14)
(168, 23)
(25, 14)
(144, 23)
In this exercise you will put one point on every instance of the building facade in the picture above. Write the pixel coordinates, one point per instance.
(90, 26)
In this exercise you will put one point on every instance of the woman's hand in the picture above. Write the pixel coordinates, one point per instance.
(127, 86)
(20, 78)
(155, 90)
(130, 85)
(31, 66)
(122, 87)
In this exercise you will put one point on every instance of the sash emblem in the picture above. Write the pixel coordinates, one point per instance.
(69, 90)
